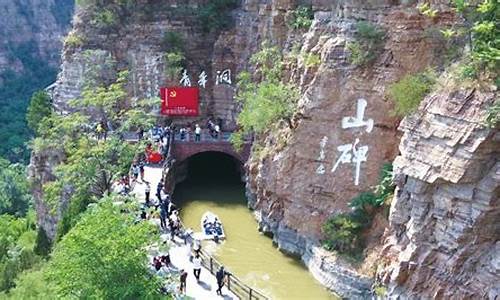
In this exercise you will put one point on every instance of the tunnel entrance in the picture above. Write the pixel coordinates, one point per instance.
(212, 182)
(212, 168)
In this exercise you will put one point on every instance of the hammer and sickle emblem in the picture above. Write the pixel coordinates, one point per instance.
(173, 94)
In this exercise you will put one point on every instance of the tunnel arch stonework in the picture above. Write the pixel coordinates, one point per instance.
(184, 150)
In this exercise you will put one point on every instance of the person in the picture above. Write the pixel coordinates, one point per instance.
(143, 215)
(183, 132)
(197, 267)
(217, 131)
(165, 259)
(163, 217)
(220, 276)
(140, 133)
(156, 263)
(197, 247)
(99, 131)
(135, 171)
(159, 187)
(183, 278)
(197, 133)
(141, 170)
(147, 192)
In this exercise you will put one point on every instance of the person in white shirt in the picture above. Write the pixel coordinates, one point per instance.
(197, 267)
(197, 133)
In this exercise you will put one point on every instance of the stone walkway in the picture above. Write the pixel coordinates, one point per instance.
(179, 253)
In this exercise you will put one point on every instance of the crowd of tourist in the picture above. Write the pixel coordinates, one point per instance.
(160, 206)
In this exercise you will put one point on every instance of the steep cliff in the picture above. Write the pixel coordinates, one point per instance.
(35, 26)
(341, 135)
(444, 235)
(31, 33)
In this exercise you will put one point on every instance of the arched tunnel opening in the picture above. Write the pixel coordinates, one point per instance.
(210, 177)
(213, 167)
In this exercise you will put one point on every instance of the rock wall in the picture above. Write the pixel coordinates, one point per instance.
(38, 26)
(444, 236)
(343, 119)
(296, 187)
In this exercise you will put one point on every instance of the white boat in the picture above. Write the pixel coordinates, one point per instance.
(211, 227)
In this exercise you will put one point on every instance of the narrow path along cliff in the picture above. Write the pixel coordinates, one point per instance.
(179, 252)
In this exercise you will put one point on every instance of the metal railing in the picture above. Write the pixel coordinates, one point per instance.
(234, 284)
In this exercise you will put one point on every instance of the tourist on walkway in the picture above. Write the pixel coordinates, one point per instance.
(183, 133)
(156, 263)
(163, 217)
(141, 169)
(220, 276)
(165, 259)
(197, 267)
(159, 187)
(183, 278)
(197, 133)
(135, 172)
(197, 247)
(217, 131)
(147, 192)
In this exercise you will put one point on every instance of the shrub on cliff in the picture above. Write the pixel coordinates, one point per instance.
(343, 232)
(40, 107)
(215, 14)
(265, 99)
(301, 18)
(408, 92)
(368, 44)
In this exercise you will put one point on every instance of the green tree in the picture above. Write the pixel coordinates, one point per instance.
(265, 99)
(103, 257)
(15, 195)
(40, 107)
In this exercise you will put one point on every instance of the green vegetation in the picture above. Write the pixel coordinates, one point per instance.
(174, 62)
(15, 90)
(173, 42)
(74, 40)
(40, 107)
(105, 18)
(104, 257)
(343, 232)
(484, 33)
(99, 252)
(311, 60)
(301, 18)
(91, 165)
(426, 10)
(265, 99)
(15, 195)
(17, 240)
(408, 92)
(215, 15)
(368, 44)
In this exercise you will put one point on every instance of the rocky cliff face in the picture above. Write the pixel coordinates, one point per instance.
(32, 27)
(444, 235)
(342, 134)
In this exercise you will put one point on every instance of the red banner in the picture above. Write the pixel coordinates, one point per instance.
(180, 101)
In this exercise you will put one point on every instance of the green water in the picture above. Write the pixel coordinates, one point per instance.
(212, 185)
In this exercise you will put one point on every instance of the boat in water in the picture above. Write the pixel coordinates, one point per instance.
(211, 227)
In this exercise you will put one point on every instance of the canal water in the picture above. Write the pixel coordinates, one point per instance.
(214, 184)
